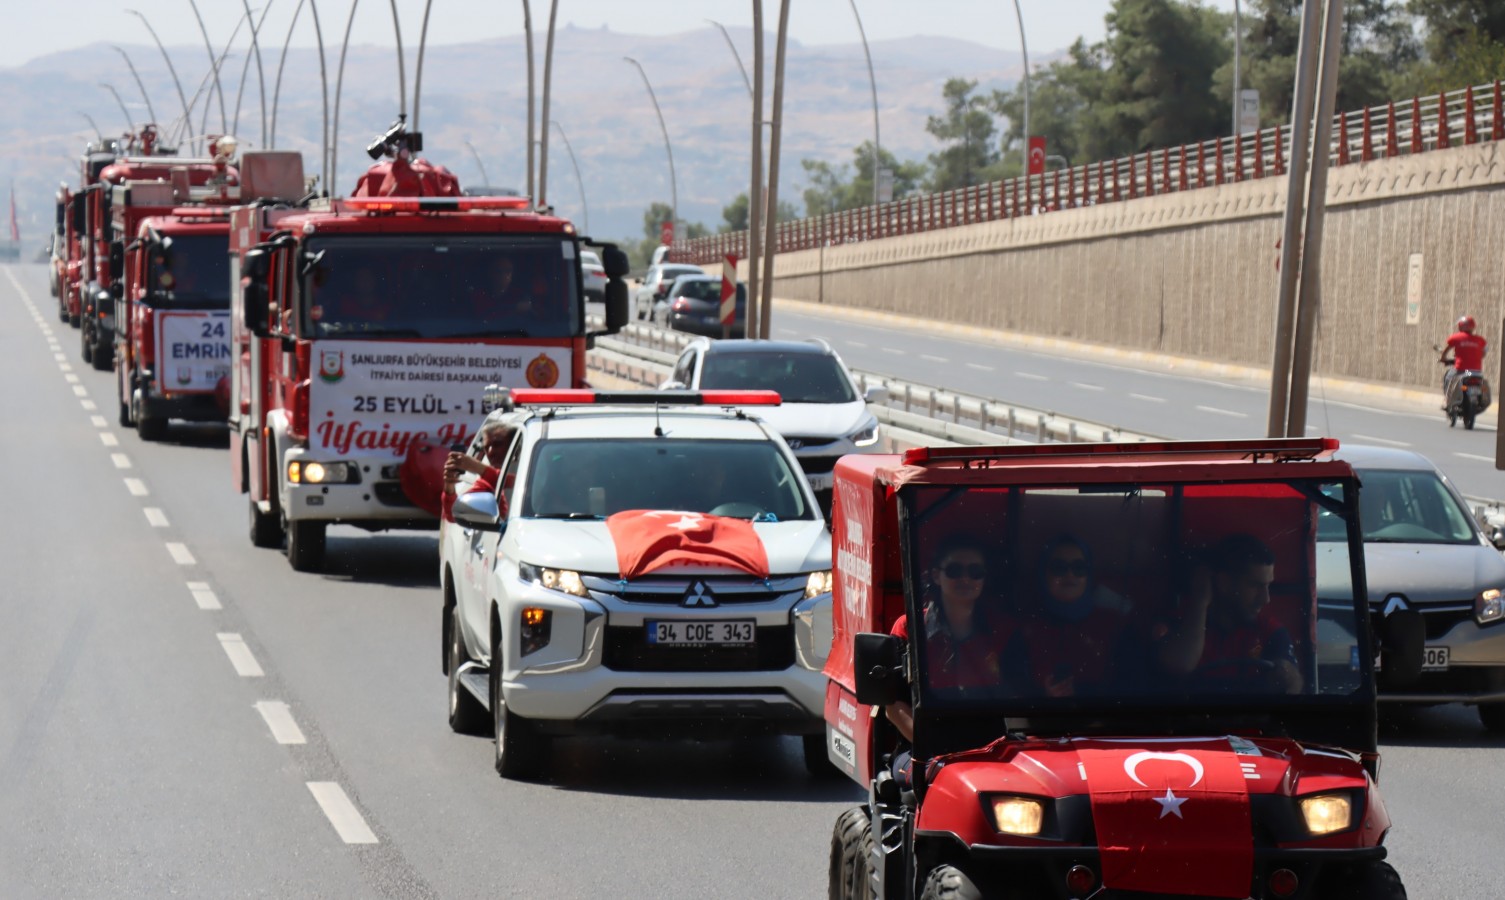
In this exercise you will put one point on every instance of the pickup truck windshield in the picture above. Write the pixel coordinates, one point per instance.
(189, 270)
(441, 286)
(583, 479)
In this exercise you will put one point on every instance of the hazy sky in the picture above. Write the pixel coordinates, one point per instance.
(35, 28)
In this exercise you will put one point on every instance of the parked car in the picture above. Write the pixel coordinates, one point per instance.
(595, 276)
(823, 415)
(693, 304)
(1425, 552)
(656, 284)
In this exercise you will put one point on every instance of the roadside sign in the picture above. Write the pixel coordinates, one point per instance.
(1413, 289)
(1037, 155)
(885, 184)
(1248, 111)
(728, 291)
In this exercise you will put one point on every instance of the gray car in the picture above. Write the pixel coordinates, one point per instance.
(1424, 551)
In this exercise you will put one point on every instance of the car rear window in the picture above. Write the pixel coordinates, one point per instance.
(798, 377)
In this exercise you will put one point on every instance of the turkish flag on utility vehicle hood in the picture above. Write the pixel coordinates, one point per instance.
(651, 539)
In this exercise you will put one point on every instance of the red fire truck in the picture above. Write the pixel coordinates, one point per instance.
(364, 328)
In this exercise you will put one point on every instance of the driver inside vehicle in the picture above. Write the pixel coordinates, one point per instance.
(1225, 634)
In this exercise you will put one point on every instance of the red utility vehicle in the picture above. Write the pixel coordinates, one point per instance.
(363, 329)
(1132, 670)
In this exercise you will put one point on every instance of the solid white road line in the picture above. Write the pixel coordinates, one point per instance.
(136, 486)
(342, 814)
(203, 595)
(98, 422)
(1147, 398)
(109, 439)
(80, 391)
(1223, 412)
(939, 359)
(120, 460)
(180, 554)
(979, 367)
(1379, 440)
(1084, 386)
(156, 517)
(1031, 376)
(1488, 459)
(245, 664)
(280, 721)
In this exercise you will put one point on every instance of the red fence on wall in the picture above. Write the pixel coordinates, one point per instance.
(1419, 125)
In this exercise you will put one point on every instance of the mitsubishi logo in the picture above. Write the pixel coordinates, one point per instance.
(1395, 602)
(698, 594)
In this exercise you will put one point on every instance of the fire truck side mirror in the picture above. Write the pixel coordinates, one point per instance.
(615, 261)
(254, 296)
(878, 665)
(80, 215)
(616, 305)
(117, 257)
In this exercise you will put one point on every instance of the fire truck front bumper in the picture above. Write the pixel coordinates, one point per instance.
(361, 491)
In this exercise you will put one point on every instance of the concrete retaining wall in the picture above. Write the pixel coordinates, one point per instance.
(1194, 274)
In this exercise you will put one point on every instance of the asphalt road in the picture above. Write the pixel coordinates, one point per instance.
(153, 662)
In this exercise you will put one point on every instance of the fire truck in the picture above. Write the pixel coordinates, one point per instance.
(363, 329)
(172, 302)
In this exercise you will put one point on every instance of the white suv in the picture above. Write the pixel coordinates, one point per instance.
(557, 619)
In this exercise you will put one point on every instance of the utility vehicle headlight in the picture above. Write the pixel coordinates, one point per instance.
(1327, 813)
(1018, 815)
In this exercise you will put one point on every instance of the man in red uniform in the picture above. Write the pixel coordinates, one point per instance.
(1468, 353)
(496, 438)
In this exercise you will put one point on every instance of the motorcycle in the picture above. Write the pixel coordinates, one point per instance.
(1466, 394)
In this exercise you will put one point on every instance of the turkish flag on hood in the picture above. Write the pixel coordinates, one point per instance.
(422, 475)
(1172, 817)
(651, 539)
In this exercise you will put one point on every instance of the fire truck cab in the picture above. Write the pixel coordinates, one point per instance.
(363, 329)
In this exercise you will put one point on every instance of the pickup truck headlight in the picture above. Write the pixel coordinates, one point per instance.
(563, 580)
(818, 583)
(1327, 813)
(867, 435)
(1489, 606)
(1017, 815)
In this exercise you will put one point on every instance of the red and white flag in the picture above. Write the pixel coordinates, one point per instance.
(15, 231)
(651, 539)
(1171, 817)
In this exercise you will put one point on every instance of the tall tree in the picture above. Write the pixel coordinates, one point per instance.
(1465, 44)
(966, 132)
(734, 215)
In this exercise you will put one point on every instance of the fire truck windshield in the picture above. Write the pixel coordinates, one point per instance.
(190, 270)
(441, 286)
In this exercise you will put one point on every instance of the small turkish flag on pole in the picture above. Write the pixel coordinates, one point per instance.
(728, 294)
(651, 539)
(1037, 155)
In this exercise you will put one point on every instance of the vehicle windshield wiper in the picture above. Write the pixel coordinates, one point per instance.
(486, 333)
(344, 331)
(568, 515)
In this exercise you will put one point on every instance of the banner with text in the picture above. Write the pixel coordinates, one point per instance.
(193, 350)
(370, 397)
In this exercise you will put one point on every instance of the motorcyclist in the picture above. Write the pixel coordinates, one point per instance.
(1468, 353)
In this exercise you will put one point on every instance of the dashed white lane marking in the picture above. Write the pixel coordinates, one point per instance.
(203, 595)
(59, 357)
(1084, 386)
(1379, 440)
(120, 460)
(1223, 412)
(180, 554)
(342, 814)
(894, 350)
(857, 344)
(89, 405)
(98, 422)
(109, 439)
(1147, 398)
(156, 517)
(939, 359)
(80, 391)
(1031, 376)
(245, 664)
(136, 486)
(1475, 456)
(979, 367)
(280, 721)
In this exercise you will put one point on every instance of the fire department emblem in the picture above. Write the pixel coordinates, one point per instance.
(331, 365)
(543, 372)
(185, 375)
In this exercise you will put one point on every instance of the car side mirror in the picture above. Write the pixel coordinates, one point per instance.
(616, 305)
(878, 664)
(478, 510)
(875, 394)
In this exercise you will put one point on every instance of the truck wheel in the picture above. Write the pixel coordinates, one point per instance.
(949, 883)
(466, 715)
(103, 358)
(851, 842)
(817, 760)
(266, 530)
(86, 344)
(520, 749)
(74, 321)
(1366, 881)
(124, 416)
(1493, 717)
(150, 428)
(305, 545)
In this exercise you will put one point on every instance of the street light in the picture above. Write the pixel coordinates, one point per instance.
(735, 55)
(139, 86)
(673, 184)
(187, 124)
(97, 133)
(585, 212)
(548, 71)
(873, 83)
(485, 179)
(260, 73)
(339, 85)
(1238, 53)
(1024, 50)
(224, 122)
(130, 126)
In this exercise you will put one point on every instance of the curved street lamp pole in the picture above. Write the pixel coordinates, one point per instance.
(224, 121)
(755, 190)
(735, 55)
(260, 73)
(771, 219)
(423, 38)
(585, 211)
(129, 125)
(543, 145)
(873, 83)
(339, 84)
(485, 179)
(281, 62)
(1024, 50)
(187, 122)
(673, 184)
(528, 40)
(99, 135)
(402, 72)
(139, 86)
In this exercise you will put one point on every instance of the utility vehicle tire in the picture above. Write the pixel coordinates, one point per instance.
(849, 842)
(949, 883)
(1365, 881)
(305, 545)
(1493, 717)
(266, 530)
(817, 760)
(520, 750)
(466, 714)
(150, 428)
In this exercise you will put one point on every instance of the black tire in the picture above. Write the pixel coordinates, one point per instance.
(1493, 717)
(817, 760)
(851, 840)
(124, 416)
(1468, 414)
(62, 309)
(466, 714)
(150, 428)
(74, 321)
(266, 530)
(949, 883)
(1365, 881)
(520, 749)
(86, 344)
(103, 359)
(305, 545)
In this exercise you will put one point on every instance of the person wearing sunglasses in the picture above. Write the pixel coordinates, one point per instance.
(1069, 639)
(496, 437)
(964, 632)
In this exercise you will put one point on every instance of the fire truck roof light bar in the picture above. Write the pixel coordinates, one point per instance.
(435, 204)
(580, 397)
(1273, 449)
(200, 212)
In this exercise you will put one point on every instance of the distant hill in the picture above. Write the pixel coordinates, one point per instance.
(477, 92)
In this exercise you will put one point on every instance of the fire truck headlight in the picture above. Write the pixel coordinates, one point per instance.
(299, 472)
